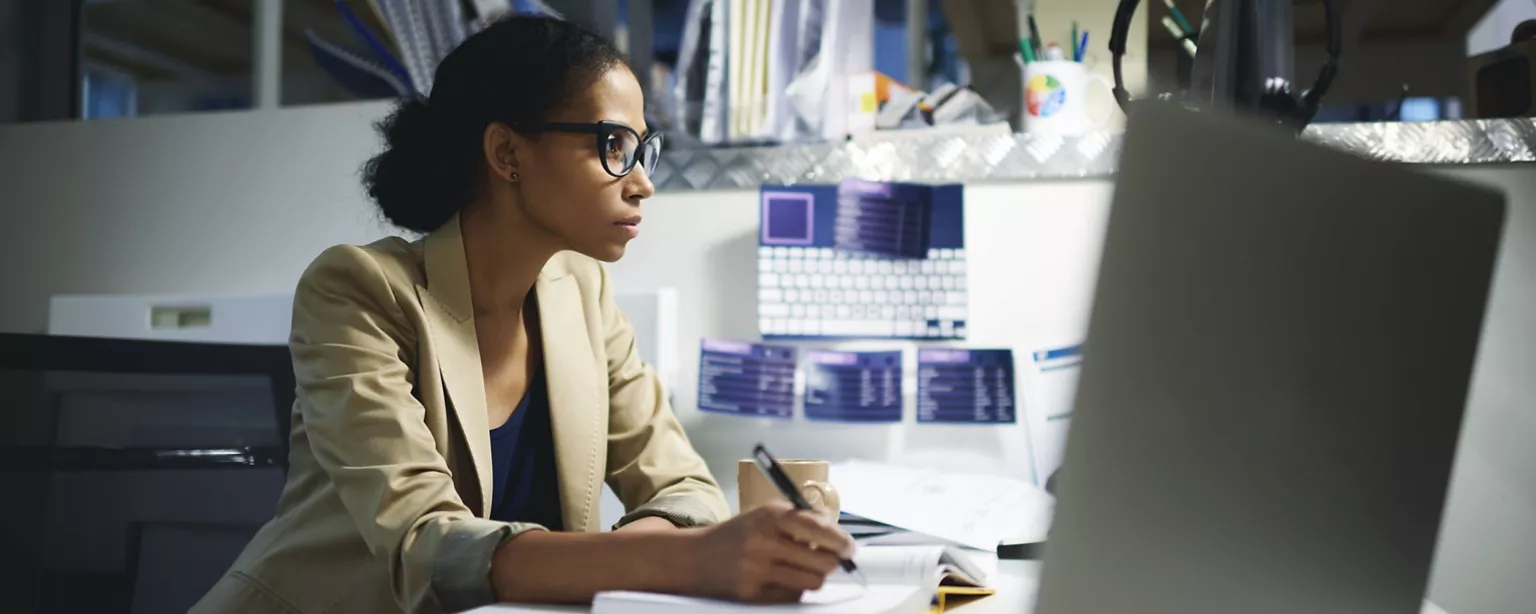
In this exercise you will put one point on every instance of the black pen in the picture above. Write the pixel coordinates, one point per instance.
(1034, 37)
(775, 474)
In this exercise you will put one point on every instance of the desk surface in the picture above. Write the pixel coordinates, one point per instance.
(1015, 582)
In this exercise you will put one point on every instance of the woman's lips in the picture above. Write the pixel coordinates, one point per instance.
(631, 225)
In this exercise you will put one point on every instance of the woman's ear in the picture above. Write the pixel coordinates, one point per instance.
(501, 146)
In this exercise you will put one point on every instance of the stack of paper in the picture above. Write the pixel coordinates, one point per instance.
(971, 510)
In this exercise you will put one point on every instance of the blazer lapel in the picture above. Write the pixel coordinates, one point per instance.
(576, 389)
(450, 314)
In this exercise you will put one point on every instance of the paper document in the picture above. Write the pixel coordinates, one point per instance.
(901, 580)
(834, 593)
(834, 598)
(973, 510)
(1049, 409)
(924, 566)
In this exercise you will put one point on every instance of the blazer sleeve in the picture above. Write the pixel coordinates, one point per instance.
(352, 350)
(652, 467)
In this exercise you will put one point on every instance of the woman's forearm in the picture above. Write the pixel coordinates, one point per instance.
(549, 567)
(649, 523)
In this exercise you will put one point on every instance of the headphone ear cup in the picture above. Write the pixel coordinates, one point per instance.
(1287, 109)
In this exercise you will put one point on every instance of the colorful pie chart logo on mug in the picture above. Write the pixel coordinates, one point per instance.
(1045, 96)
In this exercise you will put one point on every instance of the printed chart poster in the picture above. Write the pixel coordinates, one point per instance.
(853, 386)
(1050, 411)
(965, 385)
(747, 379)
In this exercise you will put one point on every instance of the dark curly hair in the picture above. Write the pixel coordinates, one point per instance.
(515, 71)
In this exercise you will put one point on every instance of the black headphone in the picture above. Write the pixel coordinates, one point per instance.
(1290, 110)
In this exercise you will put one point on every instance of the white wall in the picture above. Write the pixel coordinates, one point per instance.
(216, 202)
(1493, 31)
(240, 203)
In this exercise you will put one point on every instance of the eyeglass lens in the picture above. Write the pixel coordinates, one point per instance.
(619, 150)
(622, 149)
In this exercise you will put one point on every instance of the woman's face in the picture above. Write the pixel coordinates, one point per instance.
(562, 184)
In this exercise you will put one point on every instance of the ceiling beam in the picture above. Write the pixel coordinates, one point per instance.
(238, 29)
(213, 23)
(139, 55)
(171, 34)
(103, 61)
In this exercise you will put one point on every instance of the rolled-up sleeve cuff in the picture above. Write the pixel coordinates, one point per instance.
(681, 510)
(461, 574)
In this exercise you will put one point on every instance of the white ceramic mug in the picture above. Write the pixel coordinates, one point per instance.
(1056, 98)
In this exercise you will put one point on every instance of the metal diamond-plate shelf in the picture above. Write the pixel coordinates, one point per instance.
(1485, 141)
(1024, 156)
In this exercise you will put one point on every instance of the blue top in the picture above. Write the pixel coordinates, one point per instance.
(526, 488)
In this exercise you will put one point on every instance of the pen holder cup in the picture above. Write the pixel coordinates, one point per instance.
(754, 490)
(1056, 99)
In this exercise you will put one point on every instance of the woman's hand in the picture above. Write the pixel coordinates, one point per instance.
(771, 554)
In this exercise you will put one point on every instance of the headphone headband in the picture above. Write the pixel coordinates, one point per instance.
(1300, 111)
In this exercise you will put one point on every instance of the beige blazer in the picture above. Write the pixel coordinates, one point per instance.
(385, 508)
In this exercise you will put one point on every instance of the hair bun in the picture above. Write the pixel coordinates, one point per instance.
(407, 124)
(405, 179)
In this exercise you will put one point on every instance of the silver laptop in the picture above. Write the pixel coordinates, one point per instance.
(1273, 381)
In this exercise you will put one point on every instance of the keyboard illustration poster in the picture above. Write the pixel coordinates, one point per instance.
(965, 385)
(747, 379)
(853, 386)
(862, 259)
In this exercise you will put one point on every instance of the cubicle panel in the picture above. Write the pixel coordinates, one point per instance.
(1033, 251)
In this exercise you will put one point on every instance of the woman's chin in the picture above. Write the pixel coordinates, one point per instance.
(607, 253)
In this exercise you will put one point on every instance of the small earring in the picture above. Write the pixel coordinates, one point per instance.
(515, 176)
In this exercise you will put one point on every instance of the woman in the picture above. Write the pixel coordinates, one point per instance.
(461, 398)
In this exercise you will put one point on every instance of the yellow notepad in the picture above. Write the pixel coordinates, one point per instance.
(955, 596)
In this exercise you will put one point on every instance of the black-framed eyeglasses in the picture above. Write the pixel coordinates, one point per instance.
(618, 146)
